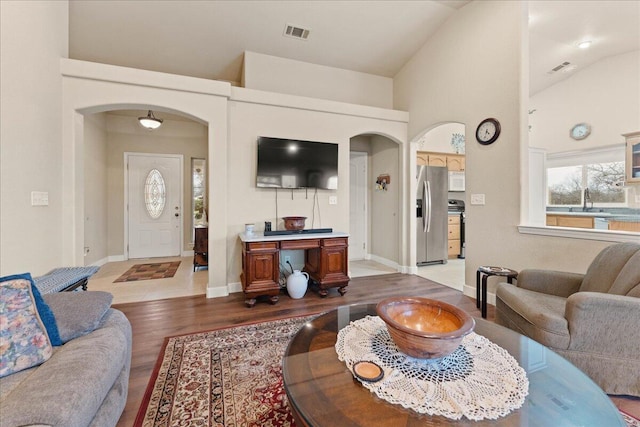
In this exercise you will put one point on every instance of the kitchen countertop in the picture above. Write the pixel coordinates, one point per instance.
(630, 217)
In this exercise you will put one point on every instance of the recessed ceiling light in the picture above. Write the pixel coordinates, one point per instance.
(585, 44)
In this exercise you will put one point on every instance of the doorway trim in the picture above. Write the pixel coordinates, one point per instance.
(125, 206)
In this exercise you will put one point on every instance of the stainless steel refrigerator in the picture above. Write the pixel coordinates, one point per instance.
(432, 202)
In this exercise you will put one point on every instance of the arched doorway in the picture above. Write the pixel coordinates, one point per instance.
(437, 147)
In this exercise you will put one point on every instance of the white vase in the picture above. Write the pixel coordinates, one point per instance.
(297, 284)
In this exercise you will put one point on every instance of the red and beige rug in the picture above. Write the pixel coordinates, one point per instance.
(158, 270)
(225, 377)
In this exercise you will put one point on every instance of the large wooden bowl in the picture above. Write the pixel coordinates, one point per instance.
(294, 222)
(424, 328)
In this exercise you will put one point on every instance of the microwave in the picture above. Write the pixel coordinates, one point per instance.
(456, 181)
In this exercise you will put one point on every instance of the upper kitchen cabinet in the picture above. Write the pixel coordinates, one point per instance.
(426, 158)
(633, 156)
(453, 162)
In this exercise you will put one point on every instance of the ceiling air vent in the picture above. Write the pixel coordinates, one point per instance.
(559, 67)
(296, 32)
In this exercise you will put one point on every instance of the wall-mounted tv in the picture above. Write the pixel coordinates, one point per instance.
(291, 163)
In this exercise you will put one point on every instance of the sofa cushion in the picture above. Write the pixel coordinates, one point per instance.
(607, 265)
(537, 315)
(78, 313)
(23, 336)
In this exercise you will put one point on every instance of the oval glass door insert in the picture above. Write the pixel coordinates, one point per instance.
(155, 194)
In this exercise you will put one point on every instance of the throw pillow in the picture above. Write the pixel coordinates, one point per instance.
(24, 342)
(78, 313)
(45, 313)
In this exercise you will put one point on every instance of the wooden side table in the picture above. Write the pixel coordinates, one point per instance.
(481, 283)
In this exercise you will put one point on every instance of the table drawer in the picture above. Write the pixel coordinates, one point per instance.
(262, 246)
(335, 242)
(299, 244)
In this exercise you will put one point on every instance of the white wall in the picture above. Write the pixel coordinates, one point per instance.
(468, 73)
(187, 138)
(33, 38)
(281, 75)
(253, 114)
(606, 95)
(96, 234)
(385, 204)
(91, 88)
(438, 139)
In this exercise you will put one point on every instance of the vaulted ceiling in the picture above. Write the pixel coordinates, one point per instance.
(207, 39)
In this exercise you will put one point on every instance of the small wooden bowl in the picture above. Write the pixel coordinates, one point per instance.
(424, 328)
(294, 222)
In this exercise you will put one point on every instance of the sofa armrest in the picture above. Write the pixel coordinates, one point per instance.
(550, 282)
(604, 323)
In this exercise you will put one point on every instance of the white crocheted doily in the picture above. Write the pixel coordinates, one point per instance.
(479, 380)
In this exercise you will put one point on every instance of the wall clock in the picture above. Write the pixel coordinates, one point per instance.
(580, 131)
(488, 131)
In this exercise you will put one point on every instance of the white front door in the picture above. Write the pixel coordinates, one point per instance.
(357, 205)
(154, 202)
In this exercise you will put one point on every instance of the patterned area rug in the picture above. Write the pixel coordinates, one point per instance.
(158, 270)
(226, 377)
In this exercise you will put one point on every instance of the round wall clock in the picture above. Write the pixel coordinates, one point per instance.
(580, 131)
(488, 131)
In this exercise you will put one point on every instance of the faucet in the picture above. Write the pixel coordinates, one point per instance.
(585, 199)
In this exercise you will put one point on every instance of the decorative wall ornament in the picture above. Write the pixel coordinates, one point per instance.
(457, 143)
(382, 182)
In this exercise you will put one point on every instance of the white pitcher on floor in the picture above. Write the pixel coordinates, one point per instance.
(297, 284)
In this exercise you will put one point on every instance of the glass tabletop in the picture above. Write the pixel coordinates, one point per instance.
(322, 391)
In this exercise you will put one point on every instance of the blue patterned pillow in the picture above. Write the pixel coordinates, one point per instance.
(45, 313)
(23, 336)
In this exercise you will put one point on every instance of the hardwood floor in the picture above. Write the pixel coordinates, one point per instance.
(152, 321)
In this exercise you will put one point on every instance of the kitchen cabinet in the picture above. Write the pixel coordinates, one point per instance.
(624, 226)
(431, 159)
(453, 235)
(632, 156)
(453, 162)
(570, 221)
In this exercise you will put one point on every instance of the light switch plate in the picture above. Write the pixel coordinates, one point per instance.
(477, 199)
(39, 198)
(333, 200)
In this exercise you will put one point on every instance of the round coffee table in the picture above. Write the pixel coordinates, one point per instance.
(322, 391)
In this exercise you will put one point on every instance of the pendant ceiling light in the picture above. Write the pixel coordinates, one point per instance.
(150, 121)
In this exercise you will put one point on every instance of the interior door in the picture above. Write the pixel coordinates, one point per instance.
(357, 205)
(154, 205)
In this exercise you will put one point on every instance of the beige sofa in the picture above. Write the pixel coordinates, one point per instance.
(591, 319)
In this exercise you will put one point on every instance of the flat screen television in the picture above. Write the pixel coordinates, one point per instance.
(291, 163)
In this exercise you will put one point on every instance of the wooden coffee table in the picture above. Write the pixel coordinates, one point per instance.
(322, 391)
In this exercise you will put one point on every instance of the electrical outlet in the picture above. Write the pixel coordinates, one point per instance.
(333, 200)
(477, 199)
(286, 259)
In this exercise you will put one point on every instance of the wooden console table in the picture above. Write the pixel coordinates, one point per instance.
(326, 261)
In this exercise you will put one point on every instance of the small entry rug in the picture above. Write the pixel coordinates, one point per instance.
(226, 377)
(158, 270)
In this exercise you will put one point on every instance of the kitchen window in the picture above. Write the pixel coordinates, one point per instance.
(591, 178)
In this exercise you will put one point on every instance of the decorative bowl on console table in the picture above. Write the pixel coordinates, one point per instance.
(294, 222)
(424, 328)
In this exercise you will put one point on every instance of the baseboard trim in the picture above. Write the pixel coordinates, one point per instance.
(218, 291)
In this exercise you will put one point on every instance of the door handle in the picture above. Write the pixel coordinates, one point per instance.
(176, 214)
(428, 187)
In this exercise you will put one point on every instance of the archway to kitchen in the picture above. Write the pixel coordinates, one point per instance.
(439, 178)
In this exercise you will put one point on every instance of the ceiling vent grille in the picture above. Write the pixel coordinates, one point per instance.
(559, 67)
(296, 32)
